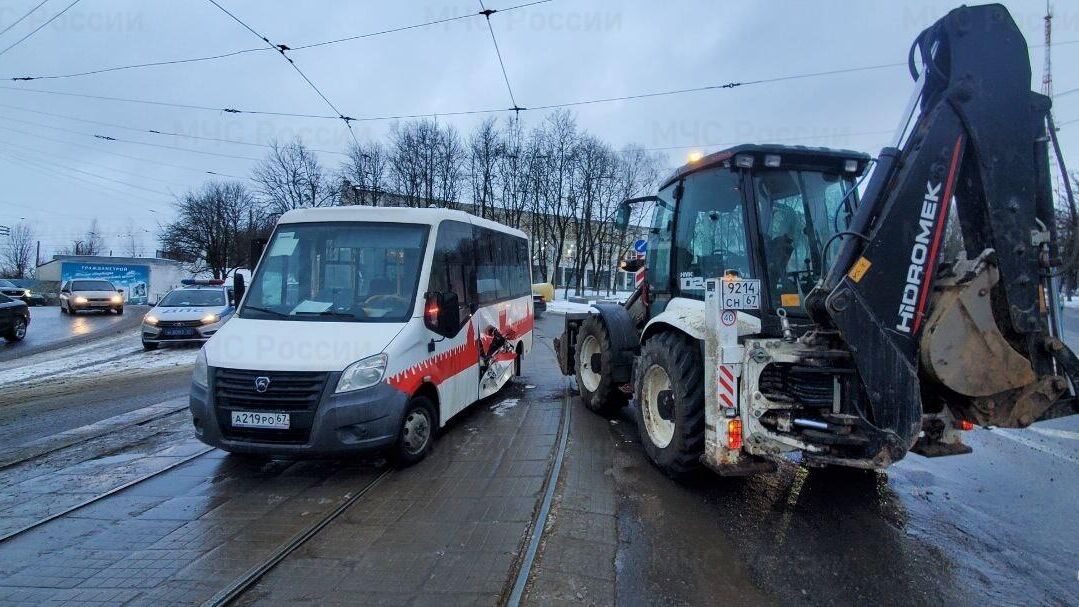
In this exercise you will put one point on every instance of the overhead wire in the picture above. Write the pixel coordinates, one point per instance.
(121, 155)
(155, 131)
(38, 28)
(121, 140)
(24, 16)
(299, 47)
(281, 49)
(486, 12)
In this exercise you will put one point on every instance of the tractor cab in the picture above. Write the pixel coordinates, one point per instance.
(758, 211)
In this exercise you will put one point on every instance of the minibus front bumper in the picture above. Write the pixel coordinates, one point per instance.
(321, 423)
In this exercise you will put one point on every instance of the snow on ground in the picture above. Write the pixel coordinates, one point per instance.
(110, 356)
(503, 407)
(561, 306)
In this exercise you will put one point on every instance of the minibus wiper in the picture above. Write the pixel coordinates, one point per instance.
(267, 311)
(325, 313)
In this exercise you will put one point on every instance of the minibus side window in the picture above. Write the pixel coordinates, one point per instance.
(453, 266)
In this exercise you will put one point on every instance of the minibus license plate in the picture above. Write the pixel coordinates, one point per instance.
(252, 419)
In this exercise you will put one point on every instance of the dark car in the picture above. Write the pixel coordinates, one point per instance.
(539, 305)
(14, 318)
(14, 291)
(33, 293)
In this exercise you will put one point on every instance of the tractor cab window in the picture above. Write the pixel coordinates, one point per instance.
(798, 211)
(659, 241)
(711, 231)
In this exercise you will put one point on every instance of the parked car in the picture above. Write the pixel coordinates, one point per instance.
(14, 291)
(34, 291)
(190, 314)
(14, 318)
(539, 305)
(87, 294)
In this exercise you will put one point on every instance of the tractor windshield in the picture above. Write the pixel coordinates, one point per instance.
(799, 211)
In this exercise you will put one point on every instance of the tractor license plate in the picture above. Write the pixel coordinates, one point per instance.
(743, 294)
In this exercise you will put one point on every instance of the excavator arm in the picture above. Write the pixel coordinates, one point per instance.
(942, 287)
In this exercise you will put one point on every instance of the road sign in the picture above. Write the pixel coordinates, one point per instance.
(640, 245)
(740, 294)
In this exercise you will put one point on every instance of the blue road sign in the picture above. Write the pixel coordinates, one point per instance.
(640, 245)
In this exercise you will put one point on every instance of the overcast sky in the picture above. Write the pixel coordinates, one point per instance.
(58, 177)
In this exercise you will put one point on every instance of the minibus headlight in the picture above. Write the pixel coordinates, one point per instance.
(362, 374)
(201, 375)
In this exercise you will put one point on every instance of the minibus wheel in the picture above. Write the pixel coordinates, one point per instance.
(417, 432)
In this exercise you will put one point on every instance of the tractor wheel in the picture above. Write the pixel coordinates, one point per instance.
(595, 359)
(669, 388)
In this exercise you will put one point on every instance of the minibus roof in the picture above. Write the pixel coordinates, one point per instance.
(391, 215)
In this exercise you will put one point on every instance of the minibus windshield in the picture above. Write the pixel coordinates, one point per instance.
(354, 271)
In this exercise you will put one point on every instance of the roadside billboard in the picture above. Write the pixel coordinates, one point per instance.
(133, 279)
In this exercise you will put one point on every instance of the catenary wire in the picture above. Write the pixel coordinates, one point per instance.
(20, 19)
(39, 28)
(299, 47)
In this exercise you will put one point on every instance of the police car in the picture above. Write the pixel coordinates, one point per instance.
(189, 314)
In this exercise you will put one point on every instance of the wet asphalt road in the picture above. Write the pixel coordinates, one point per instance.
(994, 527)
(50, 329)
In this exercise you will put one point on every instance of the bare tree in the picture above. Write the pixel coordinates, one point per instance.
(425, 163)
(484, 152)
(291, 177)
(91, 243)
(558, 146)
(214, 228)
(132, 240)
(18, 251)
(364, 174)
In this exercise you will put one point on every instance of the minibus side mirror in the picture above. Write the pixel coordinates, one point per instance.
(237, 288)
(442, 313)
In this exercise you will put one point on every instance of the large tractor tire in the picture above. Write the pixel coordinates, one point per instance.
(669, 388)
(595, 364)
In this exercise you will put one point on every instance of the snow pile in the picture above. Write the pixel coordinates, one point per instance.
(101, 358)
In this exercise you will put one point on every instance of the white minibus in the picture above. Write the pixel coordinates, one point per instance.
(365, 329)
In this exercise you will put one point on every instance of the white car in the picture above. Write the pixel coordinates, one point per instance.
(190, 314)
(90, 294)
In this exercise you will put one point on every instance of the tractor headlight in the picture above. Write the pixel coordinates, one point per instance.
(362, 373)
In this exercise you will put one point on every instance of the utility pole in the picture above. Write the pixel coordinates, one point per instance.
(37, 256)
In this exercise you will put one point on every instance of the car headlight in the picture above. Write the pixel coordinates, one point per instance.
(201, 375)
(26, 293)
(117, 299)
(362, 374)
(210, 319)
(80, 299)
(150, 319)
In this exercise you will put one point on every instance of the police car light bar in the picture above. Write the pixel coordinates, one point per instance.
(189, 282)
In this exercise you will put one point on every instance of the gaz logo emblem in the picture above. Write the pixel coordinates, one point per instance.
(262, 384)
(728, 317)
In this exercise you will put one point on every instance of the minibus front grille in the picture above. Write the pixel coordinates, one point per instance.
(294, 392)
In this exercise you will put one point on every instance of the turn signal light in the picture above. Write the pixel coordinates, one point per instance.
(734, 434)
(430, 311)
(964, 425)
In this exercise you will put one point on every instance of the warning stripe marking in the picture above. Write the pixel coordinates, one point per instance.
(727, 372)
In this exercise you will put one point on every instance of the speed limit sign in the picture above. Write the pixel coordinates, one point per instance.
(728, 317)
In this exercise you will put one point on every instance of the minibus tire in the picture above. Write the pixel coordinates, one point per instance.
(402, 455)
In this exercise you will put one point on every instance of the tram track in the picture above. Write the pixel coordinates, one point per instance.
(101, 496)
